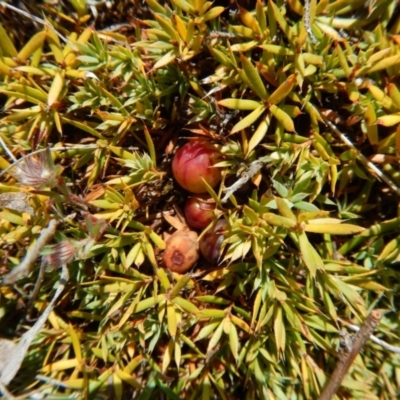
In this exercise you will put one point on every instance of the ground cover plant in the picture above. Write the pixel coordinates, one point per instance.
(141, 280)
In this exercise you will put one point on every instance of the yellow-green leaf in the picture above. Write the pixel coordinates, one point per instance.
(6, 43)
(248, 120)
(279, 330)
(34, 43)
(259, 134)
(389, 120)
(172, 324)
(234, 341)
(253, 77)
(215, 338)
(240, 104)
(311, 258)
(213, 13)
(283, 90)
(55, 89)
(284, 209)
(278, 220)
(282, 118)
(333, 229)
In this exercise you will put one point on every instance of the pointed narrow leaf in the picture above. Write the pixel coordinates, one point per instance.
(253, 77)
(55, 89)
(284, 209)
(215, 338)
(213, 13)
(240, 104)
(283, 90)
(389, 120)
(167, 27)
(334, 229)
(234, 341)
(165, 60)
(34, 43)
(310, 256)
(259, 134)
(282, 118)
(394, 94)
(278, 220)
(279, 330)
(6, 43)
(172, 324)
(186, 305)
(248, 120)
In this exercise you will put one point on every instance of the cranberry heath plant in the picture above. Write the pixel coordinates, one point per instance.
(301, 109)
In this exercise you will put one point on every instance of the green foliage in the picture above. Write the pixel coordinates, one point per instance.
(312, 239)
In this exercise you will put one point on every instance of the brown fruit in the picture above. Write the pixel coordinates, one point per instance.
(181, 252)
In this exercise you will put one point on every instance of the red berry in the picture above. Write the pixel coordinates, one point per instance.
(195, 161)
(211, 242)
(181, 252)
(199, 211)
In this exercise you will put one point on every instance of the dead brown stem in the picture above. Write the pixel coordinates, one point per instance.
(347, 356)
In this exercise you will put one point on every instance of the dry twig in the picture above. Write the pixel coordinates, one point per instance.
(33, 253)
(348, 354)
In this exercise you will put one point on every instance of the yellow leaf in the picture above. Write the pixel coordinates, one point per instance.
(213, 13)
(149, 302)
(283, 90)
(259, 134)
(167, 356)
(389, 120)
(282, 118)
(234, 341)
(126, 377)
(394, 94)
(172, 325)
(55, 89)
(34, 43)
(249, 21)
(6, 44)
(75, 343)
(333, 229)
(284, 209)
(387, 62)
(165, 60)
(180, 26)
(279, 330)
(248, 120)
(167, 27)
(215, 338)
(311, 258)
(61, 365)
(253, 77)
(278, 220)
(275, 49)
(240, 104)
(380, 96)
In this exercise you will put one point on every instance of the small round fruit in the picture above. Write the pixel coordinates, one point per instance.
(181, 252)
(211, 242)
(195, 161)
(199, 211)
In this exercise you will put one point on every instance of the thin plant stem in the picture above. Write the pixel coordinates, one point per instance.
(347, 355)
(385, 345)
(7, 150)
(307, 21)
(368, 164)
(31, 256)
